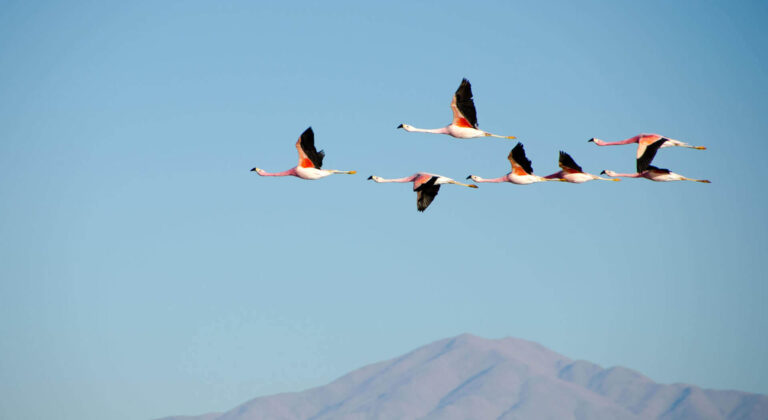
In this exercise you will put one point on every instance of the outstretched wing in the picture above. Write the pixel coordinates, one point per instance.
(463, 107)
(567, 163)
(520, 164)
(645, 140)
(309, 157)
(426, 190)
(644, 161)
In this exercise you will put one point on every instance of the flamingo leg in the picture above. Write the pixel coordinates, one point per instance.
(465, 185)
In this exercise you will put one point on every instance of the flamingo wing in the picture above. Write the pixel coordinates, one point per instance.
(520, 164)
(655, 169)
(426, 190)
(645, 140)
(463, 107)
(567, 164)
(309, 157)
(644, 161)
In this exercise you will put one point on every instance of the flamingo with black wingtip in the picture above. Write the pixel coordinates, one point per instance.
(522, 171)
(310, 161)
(648, 171)
(644, 140)
(572, 172)
(425, 184)
(464, 124)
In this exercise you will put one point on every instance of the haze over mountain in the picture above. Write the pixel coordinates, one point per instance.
(469, 377)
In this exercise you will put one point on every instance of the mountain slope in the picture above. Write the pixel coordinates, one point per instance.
(469, 377)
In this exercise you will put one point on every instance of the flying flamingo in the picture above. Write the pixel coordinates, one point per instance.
(464, 125)
(572, 172)
(643, 141)
(426, 186)
(522, 171)
(310, 161)
(646, 170)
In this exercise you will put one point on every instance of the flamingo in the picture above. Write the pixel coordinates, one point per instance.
(425, 184)
(572, 172)
(648, 171)
(522, 171)
(310, 161)
(645, 140)
(464, 125)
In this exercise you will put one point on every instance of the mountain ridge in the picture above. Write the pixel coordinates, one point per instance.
(472, 377)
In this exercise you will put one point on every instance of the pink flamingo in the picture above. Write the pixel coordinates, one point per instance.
(572, 172)
(646, 170)
(645, 140)
(522, 171)
(464, 125)
(310, 161)
(425, 184)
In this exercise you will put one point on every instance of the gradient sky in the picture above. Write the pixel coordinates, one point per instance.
(146, 272)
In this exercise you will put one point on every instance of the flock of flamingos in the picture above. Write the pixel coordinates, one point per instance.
(464, 126)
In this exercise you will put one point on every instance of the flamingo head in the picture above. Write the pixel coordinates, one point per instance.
(257, 170)
(405, 127)
(374, 177)
(596, 140)
(608, 172)
(474, 178)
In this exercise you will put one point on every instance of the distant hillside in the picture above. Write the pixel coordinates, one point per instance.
(469, 377)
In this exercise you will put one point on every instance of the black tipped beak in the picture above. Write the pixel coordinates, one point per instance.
(370, 177)
(602, 173)
(469, 177)
(591, 140)
(400, 126)
(253, 170)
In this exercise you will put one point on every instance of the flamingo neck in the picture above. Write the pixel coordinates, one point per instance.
(634, 175)
(404, 179)
(499, 179)
(443, 130)
(630, 140)
(289, 172)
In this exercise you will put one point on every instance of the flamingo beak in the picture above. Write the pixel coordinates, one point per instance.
(370, 177)
(602, 173)
(253, 170)
(592, 140)
(400, 126)
(469, 177)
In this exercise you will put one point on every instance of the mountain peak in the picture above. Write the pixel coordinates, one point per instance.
(473, 377)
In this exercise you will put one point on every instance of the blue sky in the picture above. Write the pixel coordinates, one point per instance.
(146, 272)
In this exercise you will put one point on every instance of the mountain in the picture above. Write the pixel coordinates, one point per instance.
(469, 377)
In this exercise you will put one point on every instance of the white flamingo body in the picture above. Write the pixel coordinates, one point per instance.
(464, 124)
(313, 173)
(310, 161)
(577, 178)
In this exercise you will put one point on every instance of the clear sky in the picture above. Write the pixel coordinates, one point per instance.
(146, 272)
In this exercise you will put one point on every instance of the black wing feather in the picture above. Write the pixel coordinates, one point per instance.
(518, 154)
(308, 145)
(653, 168)
(425, 193)
(644, 161)
(567, 161)
(465, 103)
